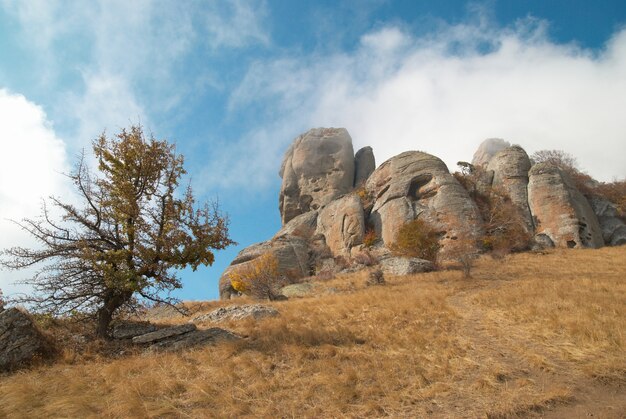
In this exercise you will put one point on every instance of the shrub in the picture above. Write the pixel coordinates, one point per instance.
(260, 278)
(416, 239)
(365, 258)
(370, 237)
(375, 277)
(505, 227)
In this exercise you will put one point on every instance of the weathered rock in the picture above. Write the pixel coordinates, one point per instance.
(317, 168)
(195, 338)
(342, 223)
(375, 277)
(415, 184)
(487, 149)
(542, 242)
(613, 228)
(510, 168)
(304, 289)
(304, 226)
(162, 334)
(405, 266)
(127, 330)
(20, 340)
(559, 210)
(364, 165)
(292, 254)
(256, 311)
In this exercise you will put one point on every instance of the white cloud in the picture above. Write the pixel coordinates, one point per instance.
(32, 164)
(447, 91)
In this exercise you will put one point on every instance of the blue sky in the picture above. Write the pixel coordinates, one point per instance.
(233, 82)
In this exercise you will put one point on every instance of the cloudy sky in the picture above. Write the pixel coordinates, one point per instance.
(233, 82)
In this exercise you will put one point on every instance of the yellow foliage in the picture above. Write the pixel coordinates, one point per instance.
(258, 277)
(416, 239)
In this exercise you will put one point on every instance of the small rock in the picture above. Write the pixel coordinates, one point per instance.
(405, 266)
(165, 333)
(257, 311)
(196, 338)
(127, 330)
(375, 277)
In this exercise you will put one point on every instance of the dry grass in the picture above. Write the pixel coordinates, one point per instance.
(519, 338)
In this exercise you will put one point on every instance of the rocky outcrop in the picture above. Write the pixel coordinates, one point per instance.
(560, 211)
(292, 254)
(256, 311)
(487, 149)
(165, 333)
(303, 226)
(613, 228)
(510, 168)
(342, 223)
(20, 340)
(364, 165)
(128, 330)
(317, 168)
(418, 185)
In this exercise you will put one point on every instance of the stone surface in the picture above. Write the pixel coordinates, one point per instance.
(342, 223)
(415, 184)
(195, 338)
(487, 149)
(317, 168)
(256, 311)
(542, 242)
(20, 340)
(304, 226)
(405, 266)
(559, 210)
(613, 228)
(510, 168)
(291, 252)
(162, 334)
(364, 165)
(127, 330)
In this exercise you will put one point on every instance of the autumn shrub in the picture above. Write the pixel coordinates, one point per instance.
(260, 278)
(375, 277)
(370, 237)
(416, 239)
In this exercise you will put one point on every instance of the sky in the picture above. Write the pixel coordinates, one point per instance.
(233, 82)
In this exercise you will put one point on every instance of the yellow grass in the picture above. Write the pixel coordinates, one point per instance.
(526, 334)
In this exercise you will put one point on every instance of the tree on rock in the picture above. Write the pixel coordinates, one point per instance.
(125, 239)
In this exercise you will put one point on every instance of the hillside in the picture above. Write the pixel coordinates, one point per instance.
(533, 334)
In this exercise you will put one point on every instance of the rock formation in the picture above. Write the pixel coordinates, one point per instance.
(560, 211)
(487, 149)
(418, 185)
(510, 168)
(330, 197)
(20, 340)
(317, 168)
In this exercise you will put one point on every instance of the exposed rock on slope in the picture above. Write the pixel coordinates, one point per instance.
(364, 165)
(613, 228)
(317, 168)
(415, 184)
(510, 168)
(560, 211)
(20, 340)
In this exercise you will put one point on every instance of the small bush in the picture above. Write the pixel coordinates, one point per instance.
(375, 277)
(416, 239)
(260, 278)
(370, 237)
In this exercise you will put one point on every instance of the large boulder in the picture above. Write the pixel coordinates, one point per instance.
(292, 254)
(415, 184)
(405, 265)
(559, 210)
(20, 340)
(364, 165)
(613, 228)
(510, 168)
(487, 149)
(342, 223)
(317, 168)
(303, 225)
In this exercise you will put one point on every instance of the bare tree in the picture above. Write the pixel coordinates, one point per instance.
(126, 239)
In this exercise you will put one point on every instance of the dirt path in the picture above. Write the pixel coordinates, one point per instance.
(527, 379)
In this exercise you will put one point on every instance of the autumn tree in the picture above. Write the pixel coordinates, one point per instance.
(559, 158)
(125, 239)
(259, 278)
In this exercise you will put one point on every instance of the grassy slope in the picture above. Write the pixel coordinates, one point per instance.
(528, 335)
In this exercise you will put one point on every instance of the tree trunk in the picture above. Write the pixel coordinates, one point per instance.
(112, 301)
